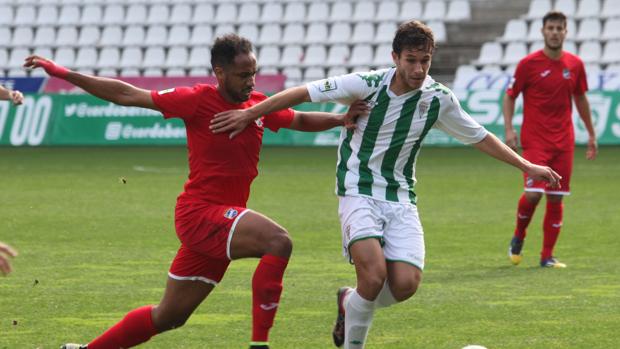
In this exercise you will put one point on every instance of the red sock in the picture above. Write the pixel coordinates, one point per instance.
(525, 211)
(551, 228)
(266, 291)
(135, 328)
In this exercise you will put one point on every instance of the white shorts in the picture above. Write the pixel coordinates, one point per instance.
(396, 225)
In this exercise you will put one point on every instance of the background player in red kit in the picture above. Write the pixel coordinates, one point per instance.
(211, 217)
(548, 79)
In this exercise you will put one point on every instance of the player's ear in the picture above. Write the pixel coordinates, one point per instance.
(219, 72)
(394, 57)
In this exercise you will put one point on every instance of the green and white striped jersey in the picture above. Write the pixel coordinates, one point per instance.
(378, 158)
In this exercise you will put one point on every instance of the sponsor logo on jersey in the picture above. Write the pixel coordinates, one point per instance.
(327, 85)
(163, 92)
(512, 82)
(566, 73)
(231, 213)
(545, 73)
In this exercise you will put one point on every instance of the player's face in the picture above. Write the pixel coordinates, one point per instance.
(412, 66)
(238, 79)
(554, 33)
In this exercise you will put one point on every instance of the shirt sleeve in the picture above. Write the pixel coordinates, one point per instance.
(279, 119)
(518, 81)
(177, 102)
(582, 81)
(345, 89)
(454, 121)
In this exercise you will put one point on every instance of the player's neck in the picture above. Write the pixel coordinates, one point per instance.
(554, 54)
(225, 95)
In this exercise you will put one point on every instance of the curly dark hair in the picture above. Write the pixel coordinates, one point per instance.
(413, 34)
(554, 16)
(227, 47)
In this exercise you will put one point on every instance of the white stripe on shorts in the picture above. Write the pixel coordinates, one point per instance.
(192, 278)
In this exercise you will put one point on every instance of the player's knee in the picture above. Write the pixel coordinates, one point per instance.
(370, 284)
(279, 243)
(405, 288)
(533, 196)
(165, 321)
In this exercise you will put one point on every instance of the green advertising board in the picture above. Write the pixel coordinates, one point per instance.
(55, 119)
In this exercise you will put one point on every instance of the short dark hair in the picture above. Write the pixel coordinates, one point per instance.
(413, 34)
(227, 47)
(554, 16)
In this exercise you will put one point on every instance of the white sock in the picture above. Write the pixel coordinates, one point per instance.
(385, 297)
(358, 317)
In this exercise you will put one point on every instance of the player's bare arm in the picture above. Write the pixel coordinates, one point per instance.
(583, 107)
(6, 252)
(492, 146)
(317, 121)
(235, 121)
(115, 91)
(508, 108)
(11, 95)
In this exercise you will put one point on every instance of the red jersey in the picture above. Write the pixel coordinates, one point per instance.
(548, 87)
(220, 169)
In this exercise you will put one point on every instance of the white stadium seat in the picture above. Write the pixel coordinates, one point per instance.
(611, 52)
(66, 36)
(294, 12)
(17, 73)
(463, 76)
(458, 10)
(610, 9)
(439, 30)
(337, 71)
(293, 74)
(89, 36)
(533, 33)
(158, 14)
(201, 35)
(65, 56)
(181, 14)
(153, 72)
(69, 15)
(272, 13)
(363, 32)
(223, 29)
(411, 10)
(111, 36)
(107, 72)
(248, 13)
(388, 11)
(315, 55)
(134, 36)
(45, 37)
(136, 14)
(590, 51)
(364, 11)
(178, 36)
(16, 58)
(269, 56)
(86, 58)
(339, 33)
(4, 57)
(568, 7)
(198, 71)
(434, 10)
(6, 14)
(268, 71)
(113, 14)
(610, 29)
(490, 53)
(516, 30)
(270, 34)
(22, 36)
(318, 11)
(385, 32)
(317, 32)
(5, 37)
(47, 14)
(24, 15)
(91, 14)
(109, 58)
(225, 13)
(338, 55)
(177, 57)
(156, 35)
(514, 52)
(131, 58)
(589, 29)
(383, 56)
(129, 72)
(203, 14)
(313, 74)
(292, 33)
(570, 46)
(538, 8)
(571, 28)
(536, 45)
(291, 55)
(589, 8)
(154, 57)
(361, 55)
(593, 74)
(199, 57)
(248, 31)
(175, 72)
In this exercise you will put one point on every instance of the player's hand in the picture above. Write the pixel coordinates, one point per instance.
(49, 66)
(356, 109)
(17, 97)
(545, 173)
(592, 150)
(233, 121)
(5, 252)
(511, 139)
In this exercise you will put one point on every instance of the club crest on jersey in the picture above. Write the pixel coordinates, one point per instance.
(423, 108)
(566, 73)
(529, 182)
(231, 213)
(259, 122)
(327, 85)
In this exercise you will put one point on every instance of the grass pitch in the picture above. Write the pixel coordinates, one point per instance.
(92, 248)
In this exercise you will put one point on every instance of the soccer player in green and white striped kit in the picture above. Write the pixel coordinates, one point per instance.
(375, 176)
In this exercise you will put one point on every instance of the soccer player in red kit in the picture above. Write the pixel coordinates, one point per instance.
(549, 79)
(211, 218)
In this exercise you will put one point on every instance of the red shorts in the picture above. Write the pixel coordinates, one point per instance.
(205, 231)
(560, 161)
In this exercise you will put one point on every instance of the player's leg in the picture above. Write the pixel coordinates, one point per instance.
(562, 163)
(255, 235)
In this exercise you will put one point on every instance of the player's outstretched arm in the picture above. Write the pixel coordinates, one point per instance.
(583, 107)
(235, 121)
(13, 95)
(112, 90)
(318, 121)
(5, 252)
(508, 108)
(495, 148)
